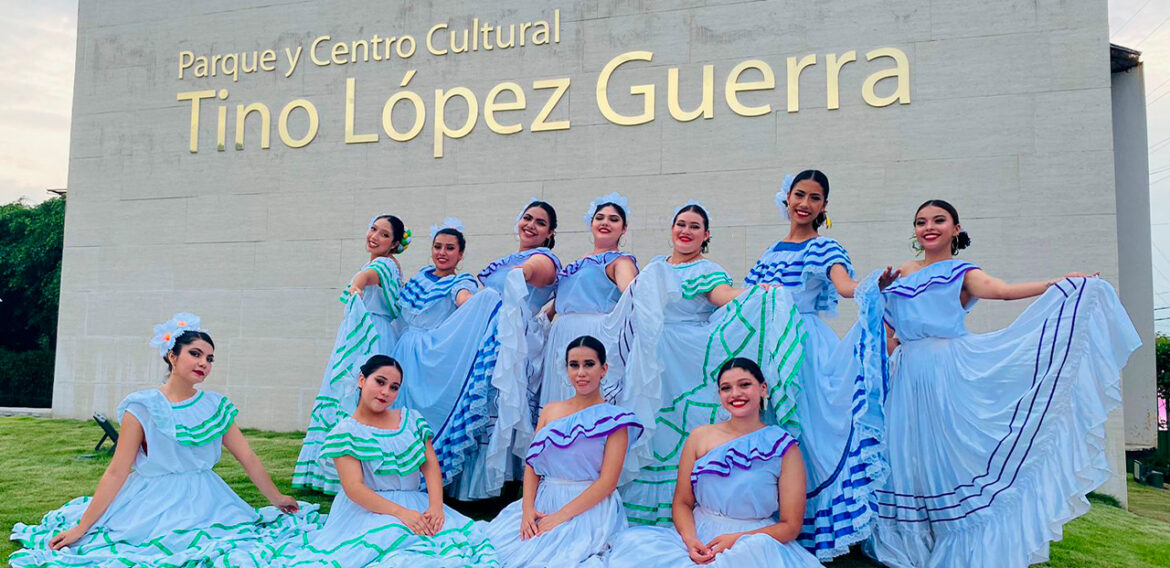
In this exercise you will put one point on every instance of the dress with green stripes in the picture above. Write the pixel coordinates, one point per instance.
(354, 536)
(681, 341)
(172, 510)
(369, 327)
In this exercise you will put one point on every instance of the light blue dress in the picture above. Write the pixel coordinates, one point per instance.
(994, 439)
(514, 375)
(736, 487)
(680, 341)
(172, 509)
(585, 298)
(567, 455)
(368, 328)
(446, 355)
(839, 405)
(354, 536)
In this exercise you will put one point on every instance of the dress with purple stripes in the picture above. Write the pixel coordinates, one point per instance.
(567, 454)
(994, 439)
(839, 404)
(736, 486)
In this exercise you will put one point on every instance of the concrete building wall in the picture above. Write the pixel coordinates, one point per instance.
(1132, 167)
(1008, 117)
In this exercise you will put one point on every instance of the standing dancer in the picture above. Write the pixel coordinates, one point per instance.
(526, 281)
(570, 508)
(681, 337)
(587, 291)
(446, 347)
(159, 503)
(839, 405)
(382, 516)
(993, 439)
(739, 500)
(371, 306)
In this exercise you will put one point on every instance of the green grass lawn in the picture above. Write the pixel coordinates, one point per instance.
(44, 464)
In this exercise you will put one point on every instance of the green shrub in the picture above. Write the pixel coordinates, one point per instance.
(26, 378)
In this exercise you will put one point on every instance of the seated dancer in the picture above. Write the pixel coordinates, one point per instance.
(159, 503)
(570, 507)
(739, 500)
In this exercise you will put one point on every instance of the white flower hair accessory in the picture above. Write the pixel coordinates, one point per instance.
(688, 204)
(520, 215)
(615, 198)
(448, 223)
(782, 196)
(166, 333)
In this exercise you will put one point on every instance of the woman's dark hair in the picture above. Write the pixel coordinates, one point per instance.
(962, 240)
(377, 362)
(397, 227)
(455, 233)
(590, 342)
(702, 213)
(819, 177)
(741, 363)
(186, 338)
(620, 210)
(551, 241)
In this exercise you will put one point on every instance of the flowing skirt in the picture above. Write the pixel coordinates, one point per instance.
(190, 518)
(360, 335)
(577, 542)
(447, 377)
(839, 407)
(995, 439)
(662, 547)
(354, 537)
(763, 326)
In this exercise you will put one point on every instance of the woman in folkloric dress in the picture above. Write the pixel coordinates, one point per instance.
(525, 281)
(994, 439)
(839, 405)
(382, 516)
(688, 320)
(371, 307)
(570, 508)
(587, 292)
(447, 341)
(739, 500)
(159, 503)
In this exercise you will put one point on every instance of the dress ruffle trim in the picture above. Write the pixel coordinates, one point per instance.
(594, 422)
(203, 419)
(698, 277)
(389, 282)
(602, 259)
(815, 258)
(392, 452)
(767, 443)
(943, 272)
(515, 258)
(423, 289)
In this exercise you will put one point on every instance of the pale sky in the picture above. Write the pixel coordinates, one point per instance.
(36, 96)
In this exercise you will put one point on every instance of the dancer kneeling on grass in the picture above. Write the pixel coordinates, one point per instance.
(382, 517)
(734, 478)
(158, 502)
(570, 508)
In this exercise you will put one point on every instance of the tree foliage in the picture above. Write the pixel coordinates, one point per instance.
(31, 240)
(1162, 364)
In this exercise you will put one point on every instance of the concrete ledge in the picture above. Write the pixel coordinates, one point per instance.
(33, 412)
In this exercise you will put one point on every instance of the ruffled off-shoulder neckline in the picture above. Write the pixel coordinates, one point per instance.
(197, 421)
(939, 273)
(596, 421)
(767, 443)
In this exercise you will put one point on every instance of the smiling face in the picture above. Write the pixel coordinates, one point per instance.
(380, 238)
(445, 253)
(935, 229)
(585, 370)
(741, 393)
(806, 200)
(193, 362)
(607, 227)
(689, 233)
(380, 388)
(534, 228)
